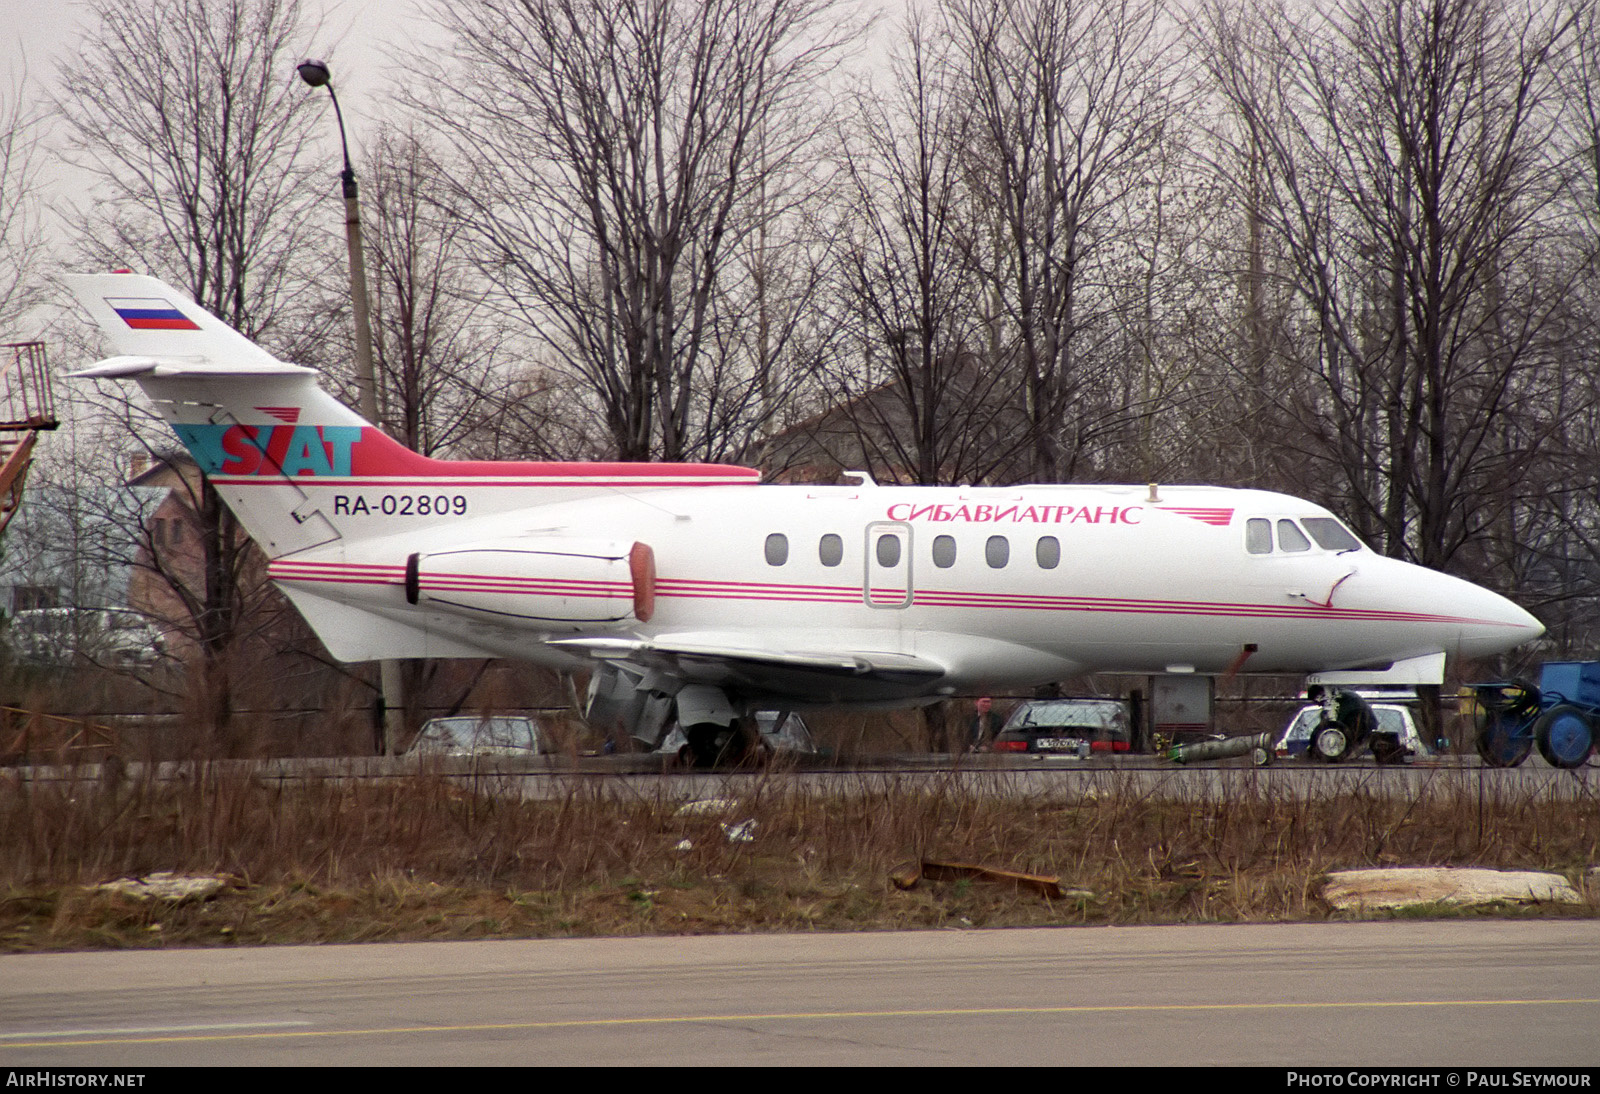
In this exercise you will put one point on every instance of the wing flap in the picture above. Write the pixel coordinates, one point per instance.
(760, 673)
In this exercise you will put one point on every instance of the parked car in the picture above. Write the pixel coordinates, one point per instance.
(1066, 727)
(114, 637)
(782, 733)
(470, 735)
(1394, 739)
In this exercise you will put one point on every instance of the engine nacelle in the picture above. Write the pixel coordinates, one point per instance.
(553, 579)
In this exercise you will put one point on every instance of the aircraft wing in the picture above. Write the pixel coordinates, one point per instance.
(759, 672)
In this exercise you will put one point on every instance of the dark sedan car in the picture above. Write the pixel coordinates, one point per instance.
(1066, 727)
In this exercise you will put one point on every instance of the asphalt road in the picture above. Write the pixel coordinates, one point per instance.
(1447, 994)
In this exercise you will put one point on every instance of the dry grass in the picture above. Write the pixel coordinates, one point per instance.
(422, 858)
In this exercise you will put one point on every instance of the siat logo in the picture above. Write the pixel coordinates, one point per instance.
(271, 449)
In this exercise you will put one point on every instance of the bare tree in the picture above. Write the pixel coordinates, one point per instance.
(613, 161)
(1549, 540)
(1400, 162)
(186, 115)
(22, 242)
(918, 402)
(1070, 99)
(437, 360)
(1583, 96)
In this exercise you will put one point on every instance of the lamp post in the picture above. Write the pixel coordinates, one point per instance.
(317, 74)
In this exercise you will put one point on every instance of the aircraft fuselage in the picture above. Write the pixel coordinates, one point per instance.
(1003, 587)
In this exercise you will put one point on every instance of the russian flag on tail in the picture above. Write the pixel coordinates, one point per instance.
(150, 313)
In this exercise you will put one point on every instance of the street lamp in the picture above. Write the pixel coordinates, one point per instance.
(317, 74)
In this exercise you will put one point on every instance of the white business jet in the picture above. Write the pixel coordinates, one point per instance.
(693, 590)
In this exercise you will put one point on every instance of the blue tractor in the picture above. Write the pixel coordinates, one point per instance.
(1561, 716)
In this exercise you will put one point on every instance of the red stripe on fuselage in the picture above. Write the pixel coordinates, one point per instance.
(506, 478)
(690, 589)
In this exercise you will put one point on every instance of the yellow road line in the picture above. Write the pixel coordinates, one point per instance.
(821, 1015)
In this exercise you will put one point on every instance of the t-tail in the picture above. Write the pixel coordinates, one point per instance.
(300, 469)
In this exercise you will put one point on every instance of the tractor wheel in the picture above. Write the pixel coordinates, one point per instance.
(1498, 741)
(1565, 736)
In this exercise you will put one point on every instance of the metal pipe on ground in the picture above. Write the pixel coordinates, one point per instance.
(1219, 750)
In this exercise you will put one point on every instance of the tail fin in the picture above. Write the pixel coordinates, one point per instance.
(143, 317)
(298, 467)
(254, 425)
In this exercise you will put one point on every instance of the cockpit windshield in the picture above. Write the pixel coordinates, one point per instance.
(1330, 534)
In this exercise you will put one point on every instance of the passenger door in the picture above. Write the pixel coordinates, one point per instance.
(887, 577)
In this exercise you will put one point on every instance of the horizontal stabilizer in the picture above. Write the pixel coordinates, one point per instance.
(127, 368)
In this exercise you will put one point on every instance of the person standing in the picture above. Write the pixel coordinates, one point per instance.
(981, 734)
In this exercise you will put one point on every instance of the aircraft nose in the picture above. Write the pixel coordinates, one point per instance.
(1487, 622)
(1514, 625)
(1456, 616)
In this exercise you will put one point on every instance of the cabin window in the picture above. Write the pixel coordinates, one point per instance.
(888, 551)
(1258, 536)
(944, 551)
(1330, 534)
(830, 550)
(777, 549)
(1048, 552)
(997, 552)
(1291, 538)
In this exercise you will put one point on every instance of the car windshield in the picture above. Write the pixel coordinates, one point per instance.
(1303, 724)
(1389, 720)
(477, 734)
(1091, 714)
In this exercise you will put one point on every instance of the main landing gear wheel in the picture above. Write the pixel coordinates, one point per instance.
(719, 746)
(1331, 743)
(1565, 736)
